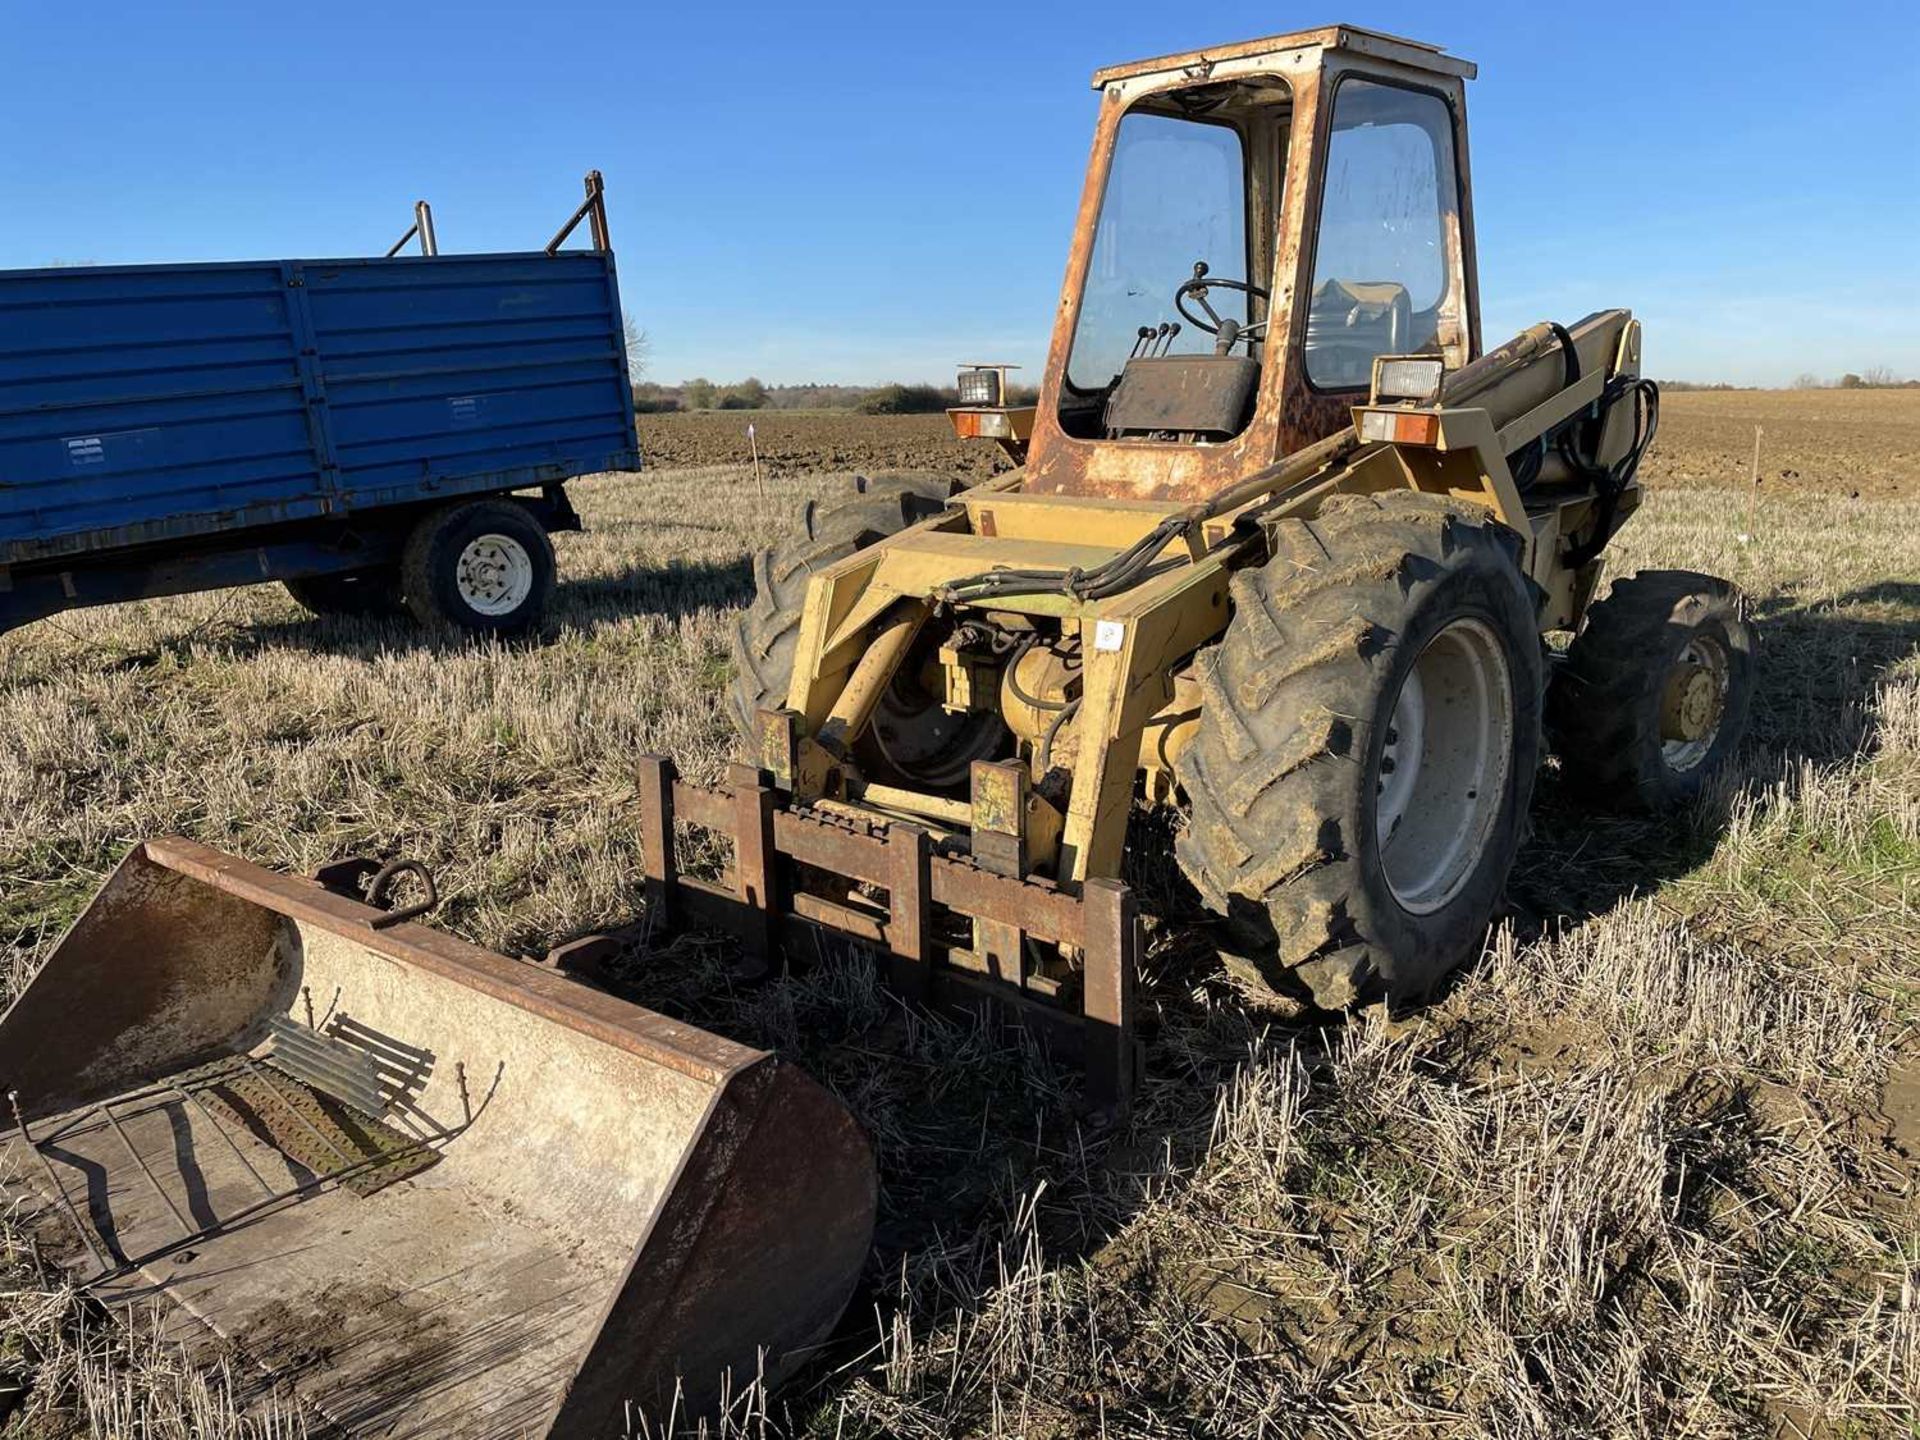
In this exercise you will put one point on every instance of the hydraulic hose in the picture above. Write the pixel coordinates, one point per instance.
(1610, 482)
(1036, 702)
(1043, 755)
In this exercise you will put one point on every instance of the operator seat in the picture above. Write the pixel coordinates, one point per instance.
(1351, 321)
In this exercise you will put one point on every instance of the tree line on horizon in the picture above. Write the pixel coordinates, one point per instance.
(1875, 377)
(891, 398)
(752, 393)
(1878, 377)
(897, 398)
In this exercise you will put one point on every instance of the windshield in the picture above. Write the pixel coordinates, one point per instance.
(1176, 194)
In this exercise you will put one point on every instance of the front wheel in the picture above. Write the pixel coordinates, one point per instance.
(1358, 783)
(486, 566)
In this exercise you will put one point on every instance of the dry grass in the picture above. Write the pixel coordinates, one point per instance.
(1648, 1170)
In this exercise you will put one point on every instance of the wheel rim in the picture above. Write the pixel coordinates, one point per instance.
(1444, 766)
(494, 575)
(1693, 704)
(929, 745)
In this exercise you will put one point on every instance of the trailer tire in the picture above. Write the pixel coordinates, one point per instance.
(1400, 609)
(486, 566)
(1666, 651)
(766, 632)
(373, 591)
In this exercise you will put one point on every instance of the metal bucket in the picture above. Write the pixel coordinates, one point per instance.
(425, 1189)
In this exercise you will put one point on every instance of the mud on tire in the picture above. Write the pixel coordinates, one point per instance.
(766, 632)
(1612, 702)
(1284, 775)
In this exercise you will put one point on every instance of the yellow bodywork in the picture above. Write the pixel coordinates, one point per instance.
(1138, 700)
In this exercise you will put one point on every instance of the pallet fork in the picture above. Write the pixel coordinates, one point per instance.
(946, 898)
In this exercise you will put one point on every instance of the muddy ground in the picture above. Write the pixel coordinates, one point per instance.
(1864, 444)
(808, 442)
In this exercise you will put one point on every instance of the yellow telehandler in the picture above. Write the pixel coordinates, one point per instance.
(1281, 555)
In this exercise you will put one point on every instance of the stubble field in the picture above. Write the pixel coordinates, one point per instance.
(1648, 1169)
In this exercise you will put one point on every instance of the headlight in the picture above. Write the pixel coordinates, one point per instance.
(1408, 377)
(980, 386)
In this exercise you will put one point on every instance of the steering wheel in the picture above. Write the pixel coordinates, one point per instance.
(1197, 288)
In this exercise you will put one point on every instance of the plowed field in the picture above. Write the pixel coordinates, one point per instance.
(1862, 443)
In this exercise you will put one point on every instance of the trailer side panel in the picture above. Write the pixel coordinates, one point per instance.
(141, 404)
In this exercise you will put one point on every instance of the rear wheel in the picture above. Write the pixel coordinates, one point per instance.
(1369, 730)
(1652, 700)
(486, 566)
(913, 735)
(374, 591)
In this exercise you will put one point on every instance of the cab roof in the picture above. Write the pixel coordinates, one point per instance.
(1331, 37)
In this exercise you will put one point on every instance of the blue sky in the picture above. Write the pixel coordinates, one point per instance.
(852, 193)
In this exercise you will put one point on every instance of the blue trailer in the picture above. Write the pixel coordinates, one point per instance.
(371, 432)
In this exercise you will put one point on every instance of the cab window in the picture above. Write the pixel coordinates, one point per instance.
(1384, 261)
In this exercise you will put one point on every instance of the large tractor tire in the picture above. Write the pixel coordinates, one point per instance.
(1370, 726)
(486, 566)
(1652, 699)
(767, 631)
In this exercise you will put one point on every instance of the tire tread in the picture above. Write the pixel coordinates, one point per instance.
(1269, 774)
(766, 632)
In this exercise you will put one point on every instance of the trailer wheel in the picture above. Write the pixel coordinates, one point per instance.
(485, 566)
(374, 591)
(1369, 729)
(766, 632)
(1654, 694)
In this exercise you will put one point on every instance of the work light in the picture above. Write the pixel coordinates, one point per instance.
(981, 385)
(1408, 377)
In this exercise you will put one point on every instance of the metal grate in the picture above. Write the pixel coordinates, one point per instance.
(315, 1100)
(315, 1059)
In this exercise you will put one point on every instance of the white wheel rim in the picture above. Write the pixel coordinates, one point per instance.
(1444, 766)
(495, 574)
(1690, 723)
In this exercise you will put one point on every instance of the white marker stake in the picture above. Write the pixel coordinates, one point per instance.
(758, 479)
(1753, 488)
